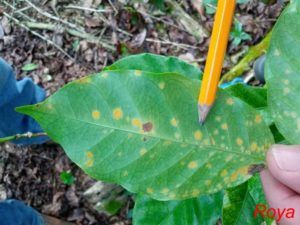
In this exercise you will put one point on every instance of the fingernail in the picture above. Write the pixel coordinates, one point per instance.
(287, 157)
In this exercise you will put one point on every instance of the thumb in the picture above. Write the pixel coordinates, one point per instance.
(281, 182)
(284, 164)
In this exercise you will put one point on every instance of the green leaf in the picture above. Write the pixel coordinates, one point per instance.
(283, 73)
(240, 203)
(204, 210)
(30, 67)
(156, 64)
(257, 98)
(254, 96)
(210, 6)
(141, 130)
(67, 177)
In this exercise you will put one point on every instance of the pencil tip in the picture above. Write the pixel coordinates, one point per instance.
(203, 111)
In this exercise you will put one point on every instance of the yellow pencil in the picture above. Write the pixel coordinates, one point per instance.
(215, 57)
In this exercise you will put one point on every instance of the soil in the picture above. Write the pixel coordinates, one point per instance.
(31, 174)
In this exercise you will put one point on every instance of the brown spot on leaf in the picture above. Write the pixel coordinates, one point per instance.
(147, 127)
(256, 168)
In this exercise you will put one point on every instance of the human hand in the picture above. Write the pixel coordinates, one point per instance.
(281, 181)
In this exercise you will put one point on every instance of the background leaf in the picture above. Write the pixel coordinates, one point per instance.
(141, 130)
(157, 64)
(204, 210)
(241, 201)
(30, 67)
(283, 73)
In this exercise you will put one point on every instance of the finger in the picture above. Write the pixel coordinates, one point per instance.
(281, 198)
(284, 164)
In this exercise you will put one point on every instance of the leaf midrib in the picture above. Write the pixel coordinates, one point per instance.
(216, 148)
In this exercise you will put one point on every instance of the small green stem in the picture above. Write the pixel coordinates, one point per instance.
(21, 136)
(253, 53)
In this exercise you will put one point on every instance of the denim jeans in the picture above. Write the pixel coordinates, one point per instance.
(13, 212)
(13, 94)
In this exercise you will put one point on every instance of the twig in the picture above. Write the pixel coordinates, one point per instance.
(114, 8)
(253, 53)
(89, 37)
(19, 11)
(51, 16)
(191, 26)
(87, 9)
(38, 35)
(94, 39)
(21, 136)
(179, 45)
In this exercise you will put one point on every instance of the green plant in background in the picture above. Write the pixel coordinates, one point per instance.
(30, 67)
(237, 34)
(136, 124)
(211, 5)
(67, 177)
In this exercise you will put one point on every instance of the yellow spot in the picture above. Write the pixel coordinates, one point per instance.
(294, 115)
(286, 91)
(229, 101)
(206, 142)
(117, 113)
(104, 75)
(193, 165)
(177, 135)
(287, 71)
(277, 52)
(218, 118)
(85, 80)
(125, 173)
(165, 190)
(241, 171)
(174, 122)
(90, 159)
(161, 85)
(258, 119)
(254, 146)
(224, 173)
(149, 190)
(198, 135)
(224, 126)
(208, 165)
(239, 141)
(143, 151)
(49, 106)
(195, 192)
(216, 132)
(138, 73)
(172, 195)
(208, 182)
(130, 135)
(286, 82)
(89, 155)
(136, 122)
(96, 115)
(166, 143)
(228, 158)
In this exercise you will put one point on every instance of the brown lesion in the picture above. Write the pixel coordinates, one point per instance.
(256, 168)
(147, 127)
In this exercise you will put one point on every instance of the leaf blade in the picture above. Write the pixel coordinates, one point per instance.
(125, 127)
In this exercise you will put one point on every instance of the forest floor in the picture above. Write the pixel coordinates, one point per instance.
(69, 39)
